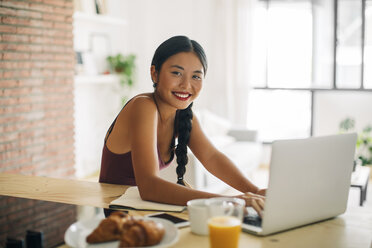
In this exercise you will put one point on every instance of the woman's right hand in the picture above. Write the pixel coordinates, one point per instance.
(255, 201)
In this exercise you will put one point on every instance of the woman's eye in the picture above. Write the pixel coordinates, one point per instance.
(196, 77)
(177, 73)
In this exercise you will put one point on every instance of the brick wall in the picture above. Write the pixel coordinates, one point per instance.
(36, 103)
(19, 215)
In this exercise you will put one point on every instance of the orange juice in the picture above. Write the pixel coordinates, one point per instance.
(224, 231)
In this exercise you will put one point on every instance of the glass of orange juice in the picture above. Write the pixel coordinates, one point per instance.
(225, 221)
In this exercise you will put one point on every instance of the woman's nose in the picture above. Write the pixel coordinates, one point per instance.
(185, 82)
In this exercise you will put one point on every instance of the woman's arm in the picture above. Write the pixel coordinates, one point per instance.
(143, 138)
(223, 168)
(216, 162)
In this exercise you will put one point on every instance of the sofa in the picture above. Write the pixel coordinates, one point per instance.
(239, 145)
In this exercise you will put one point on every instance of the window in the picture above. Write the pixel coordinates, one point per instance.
(367, 75)
(281, 113)
(299, 48)
(349, 44)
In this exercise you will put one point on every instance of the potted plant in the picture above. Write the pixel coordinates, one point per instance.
(364, 141)
(364, 145)
(124, 66)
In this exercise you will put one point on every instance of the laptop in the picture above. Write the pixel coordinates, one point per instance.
(309, 182)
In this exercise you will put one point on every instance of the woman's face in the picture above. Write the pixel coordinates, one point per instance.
(180, 79)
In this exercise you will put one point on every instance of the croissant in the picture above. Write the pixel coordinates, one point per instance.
(141, 233)
(109, 229)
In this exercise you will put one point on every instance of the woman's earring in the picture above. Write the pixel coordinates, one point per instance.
(154, 85)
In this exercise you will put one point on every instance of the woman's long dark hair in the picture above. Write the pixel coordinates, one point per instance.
(183, 120)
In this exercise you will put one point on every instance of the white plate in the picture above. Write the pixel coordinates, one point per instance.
(76, 234)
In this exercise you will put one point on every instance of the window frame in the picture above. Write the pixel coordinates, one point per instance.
(334, 87)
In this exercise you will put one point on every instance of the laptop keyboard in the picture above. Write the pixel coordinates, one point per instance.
(253, 219)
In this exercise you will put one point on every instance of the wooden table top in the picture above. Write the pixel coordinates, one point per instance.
(351, 229)
(75, 192)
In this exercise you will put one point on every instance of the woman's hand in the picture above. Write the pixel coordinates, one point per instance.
(254, 200)
(261, 192)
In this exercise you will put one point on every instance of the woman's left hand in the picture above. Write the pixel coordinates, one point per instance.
(261, 192)
(255, 201)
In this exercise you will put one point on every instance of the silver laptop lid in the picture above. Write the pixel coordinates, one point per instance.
(309, 181)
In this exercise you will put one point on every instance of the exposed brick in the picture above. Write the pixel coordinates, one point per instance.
(58, 90)
(51, 230)
(63, 11)
(7, 101)
(65, 26)
(15, 162)
(15, 20)
(15, 64)
(16, 73)
(64, 73)
(51, 65)
(68, 57)
(10, 154)
(15, 56)
(41, 7)
(7, 83)
(41, 23)
(30, 82)
(29, 14)
(36, 107)
(15, 91)
(27, 30)
(58, 32)
(7, 11)
(7, 29)
(59, 81)
(57, 49)
(40, 39)
(15, 109)
(37, 140)
(7, 65)
(21, 47)
(14, 4)
(53, 17)
(15, 38)
(42, 56)
(62, 42)
(58, 3)
(8, 119)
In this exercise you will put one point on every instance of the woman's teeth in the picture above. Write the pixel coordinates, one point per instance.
(181, 95)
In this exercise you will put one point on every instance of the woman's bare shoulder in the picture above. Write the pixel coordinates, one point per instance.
(142, 104)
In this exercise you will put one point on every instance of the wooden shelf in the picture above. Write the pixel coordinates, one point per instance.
(98, 19)
(96, 79)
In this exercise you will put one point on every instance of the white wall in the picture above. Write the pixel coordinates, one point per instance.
(210, 22)
(331, 108)
(96, 104)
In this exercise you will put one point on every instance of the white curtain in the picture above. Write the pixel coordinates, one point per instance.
(226, 90)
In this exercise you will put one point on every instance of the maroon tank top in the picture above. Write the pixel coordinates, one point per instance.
(118, 168)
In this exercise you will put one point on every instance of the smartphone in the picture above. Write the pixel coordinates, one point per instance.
(177, 221)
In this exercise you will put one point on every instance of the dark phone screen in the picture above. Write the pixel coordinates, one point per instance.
(169, 217)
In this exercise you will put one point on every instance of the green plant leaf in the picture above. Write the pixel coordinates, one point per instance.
(347, 124)
(124, 66)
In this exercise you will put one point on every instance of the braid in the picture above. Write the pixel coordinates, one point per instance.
(183, 125)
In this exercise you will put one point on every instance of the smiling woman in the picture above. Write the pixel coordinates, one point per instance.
(142, 139)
